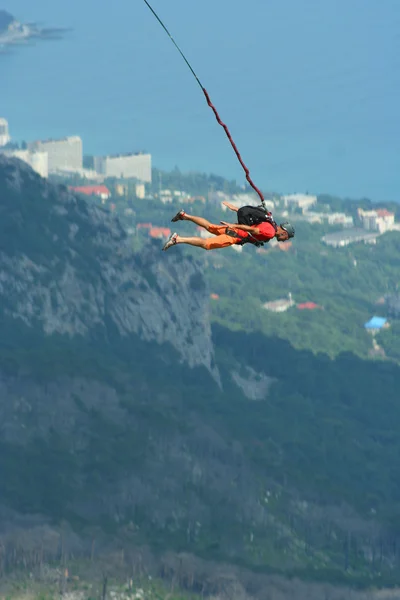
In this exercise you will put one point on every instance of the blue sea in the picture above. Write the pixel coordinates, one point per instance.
(310, 90)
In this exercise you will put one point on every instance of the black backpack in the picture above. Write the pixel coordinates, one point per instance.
(252, 216)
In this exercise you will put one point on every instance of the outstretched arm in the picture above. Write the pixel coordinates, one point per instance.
(230, 206)
(248, 228)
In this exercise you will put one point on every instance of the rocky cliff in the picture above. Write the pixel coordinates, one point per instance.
(68, 268)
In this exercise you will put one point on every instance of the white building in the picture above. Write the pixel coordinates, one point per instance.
(303, 201)
(368, 219)
(339, 239)
(63, 154)
(385, 220)
(330, 218)
(377, 220)
(165, 196)
(4, 135)
(340, 219)
(38, 161)
(309, 217)
(140, 190)
(281, 305)
(125, 166)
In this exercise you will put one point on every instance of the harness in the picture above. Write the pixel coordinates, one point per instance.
(250, 239)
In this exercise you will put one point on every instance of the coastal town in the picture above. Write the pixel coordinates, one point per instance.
(113, 177)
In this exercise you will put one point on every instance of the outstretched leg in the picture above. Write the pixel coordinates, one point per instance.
(192, 241)
(183, 216)
(178, 239)
(219, 241)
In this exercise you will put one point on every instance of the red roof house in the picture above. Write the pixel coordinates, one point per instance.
(159, 232)
(308, 306)
(144, 226)
(93, 190)
(383, 212)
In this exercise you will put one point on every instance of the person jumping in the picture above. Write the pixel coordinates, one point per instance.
(228, 234)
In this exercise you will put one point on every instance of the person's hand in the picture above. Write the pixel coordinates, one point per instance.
(230, 206)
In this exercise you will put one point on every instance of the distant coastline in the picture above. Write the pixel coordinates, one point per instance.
(13, 32)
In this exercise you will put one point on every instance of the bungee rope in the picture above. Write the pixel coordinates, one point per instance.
(210, 104)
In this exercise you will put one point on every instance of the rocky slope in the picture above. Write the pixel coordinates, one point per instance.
(69, 269)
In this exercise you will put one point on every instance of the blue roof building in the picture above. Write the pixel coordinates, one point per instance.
(375, 323)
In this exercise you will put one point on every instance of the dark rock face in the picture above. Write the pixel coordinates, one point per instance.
(67, 266)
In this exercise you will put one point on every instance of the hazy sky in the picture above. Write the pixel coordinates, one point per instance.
(310, 89)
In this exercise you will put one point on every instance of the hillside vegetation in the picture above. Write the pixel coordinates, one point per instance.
(276, 453)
